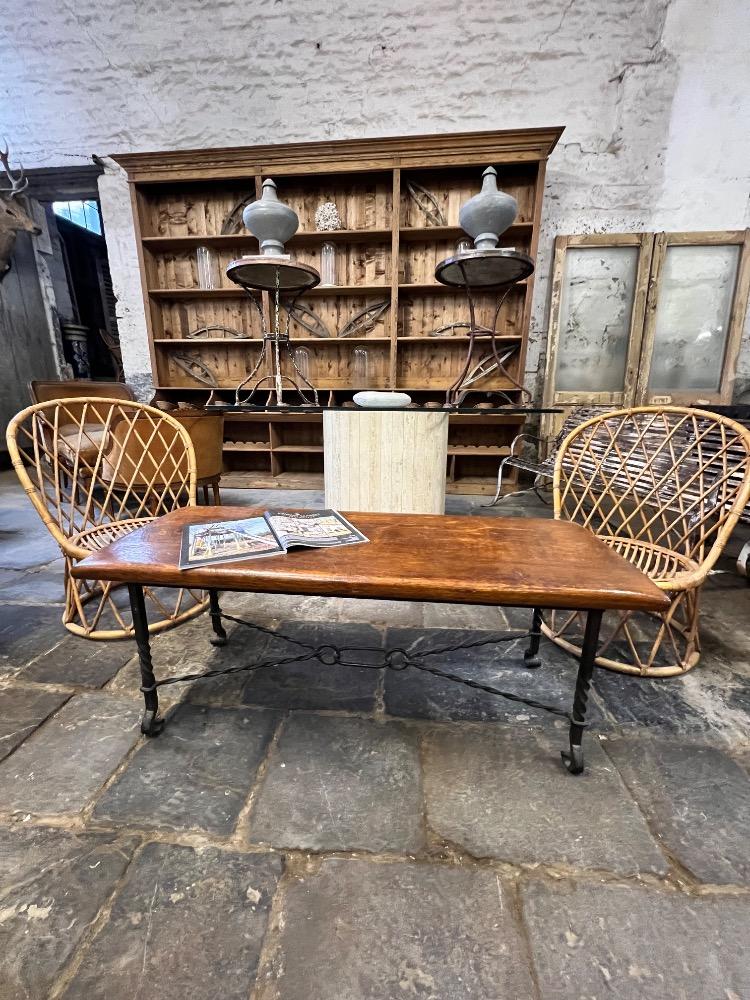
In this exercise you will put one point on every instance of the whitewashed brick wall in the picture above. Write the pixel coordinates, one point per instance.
(654, 96)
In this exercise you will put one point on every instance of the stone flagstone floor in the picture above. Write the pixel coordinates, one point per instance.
(332, 834)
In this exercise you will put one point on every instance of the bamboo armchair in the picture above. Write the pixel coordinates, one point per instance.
(96, 469)
(664, 486)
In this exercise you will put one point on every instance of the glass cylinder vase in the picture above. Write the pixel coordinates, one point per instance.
(302, 361)
(328, 264)
(208, 268)
(360, 368)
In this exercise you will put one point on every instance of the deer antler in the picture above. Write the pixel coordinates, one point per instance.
(18, 182)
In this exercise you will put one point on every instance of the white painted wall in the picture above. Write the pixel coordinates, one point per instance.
(654, 96)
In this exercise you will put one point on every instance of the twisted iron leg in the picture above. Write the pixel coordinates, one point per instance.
(151, 724)
(531, 656)
(573, 759)
(220, 635)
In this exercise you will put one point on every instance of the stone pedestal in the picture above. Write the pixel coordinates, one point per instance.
(393, 461)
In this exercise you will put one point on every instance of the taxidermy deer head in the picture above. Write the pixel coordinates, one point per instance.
(13, 214)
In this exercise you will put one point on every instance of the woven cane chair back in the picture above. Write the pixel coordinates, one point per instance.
(673, 478)
(88, 464)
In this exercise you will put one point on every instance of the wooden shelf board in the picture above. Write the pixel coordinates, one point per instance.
(491, 451)
(187, 341)
(340, 340)
(238, 293)
(479, 486)
(302, 449)
(197, 293)
(408, 234)
(245, 446)
(257, 341)
(259, 480)
(434, 287)
(416, 234)
(163, 244)
(429, 287)
(459, 338)
(444, 385)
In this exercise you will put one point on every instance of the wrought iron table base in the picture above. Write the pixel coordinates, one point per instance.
(392, 659)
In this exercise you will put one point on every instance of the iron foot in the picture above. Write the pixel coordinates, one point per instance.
(219, 640)
(531, 660)
(151, 724)
(573, 759)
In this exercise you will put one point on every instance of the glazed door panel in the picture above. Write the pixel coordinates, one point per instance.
(599, 291)
(696, 305)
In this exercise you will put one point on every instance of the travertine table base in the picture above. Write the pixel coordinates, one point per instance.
(388, 461)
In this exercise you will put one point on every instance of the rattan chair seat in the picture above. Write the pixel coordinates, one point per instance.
(661, 565)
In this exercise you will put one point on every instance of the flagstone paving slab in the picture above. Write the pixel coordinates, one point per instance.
(22, 709)
(53, 885)
(336, 783)
(186, 923)
(412, 693)
(633, 943)
(649, 704)
(312, 684)
(697, 799)
(40, 586)
(26, 632)
(83, 662)
(196, 775)
(361, 931)
(506, 795)
(64, 763)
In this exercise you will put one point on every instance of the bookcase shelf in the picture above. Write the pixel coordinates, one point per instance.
(387, 252)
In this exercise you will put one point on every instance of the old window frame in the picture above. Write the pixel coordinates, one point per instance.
(648, 288)
(738, 308)
(552, 397)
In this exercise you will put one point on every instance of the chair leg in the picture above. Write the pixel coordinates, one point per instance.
(499, 489)
(205, 494)
(217, 494)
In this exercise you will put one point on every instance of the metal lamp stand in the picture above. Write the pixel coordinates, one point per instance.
(481, 271)
(278, 275)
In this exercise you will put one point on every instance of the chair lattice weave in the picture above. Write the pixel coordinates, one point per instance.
(664, 487)
(95, 469)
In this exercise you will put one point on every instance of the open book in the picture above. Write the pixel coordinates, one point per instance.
(269, 535)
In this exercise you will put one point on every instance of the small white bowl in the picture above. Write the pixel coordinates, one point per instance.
(382, 400)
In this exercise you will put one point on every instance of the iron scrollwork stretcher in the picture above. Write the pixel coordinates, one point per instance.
(373, 658)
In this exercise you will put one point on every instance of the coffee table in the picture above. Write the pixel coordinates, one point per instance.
(530, 563)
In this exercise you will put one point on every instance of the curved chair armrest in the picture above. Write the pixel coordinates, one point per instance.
(520, 437)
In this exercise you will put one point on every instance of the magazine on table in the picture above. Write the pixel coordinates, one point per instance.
(269, 535)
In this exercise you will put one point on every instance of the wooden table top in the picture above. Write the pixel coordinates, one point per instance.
(522, 562)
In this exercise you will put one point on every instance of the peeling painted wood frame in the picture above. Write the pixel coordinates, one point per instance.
(662, 242)
(552, 422)
(653, 249)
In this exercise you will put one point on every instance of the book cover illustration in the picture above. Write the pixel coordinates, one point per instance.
(227, 541)
(269, 535)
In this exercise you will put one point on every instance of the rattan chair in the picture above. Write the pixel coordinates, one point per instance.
(664, 486)
(96, 469)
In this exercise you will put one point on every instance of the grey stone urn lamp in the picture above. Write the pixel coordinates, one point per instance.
(485, 269)
(273, 271)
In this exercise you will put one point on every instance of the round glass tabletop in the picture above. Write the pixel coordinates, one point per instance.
(260, 273)
(484, 268)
